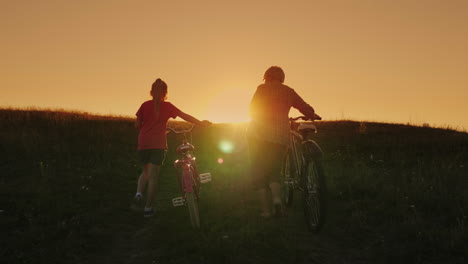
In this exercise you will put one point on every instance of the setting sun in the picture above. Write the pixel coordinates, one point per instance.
(386, 61)
(230, 106)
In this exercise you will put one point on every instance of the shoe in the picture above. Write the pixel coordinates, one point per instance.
(264, 215)
(148, 213)
(279, 210)
(137, 203)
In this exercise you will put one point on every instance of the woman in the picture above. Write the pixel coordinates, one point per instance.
(268, 136)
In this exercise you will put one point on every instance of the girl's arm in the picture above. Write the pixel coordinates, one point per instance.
(138, 123)
(193, 120)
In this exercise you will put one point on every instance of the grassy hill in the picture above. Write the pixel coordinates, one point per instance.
(398, 194)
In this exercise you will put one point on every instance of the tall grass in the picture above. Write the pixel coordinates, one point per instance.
(61, 173)
(405, 189)
(397, 194)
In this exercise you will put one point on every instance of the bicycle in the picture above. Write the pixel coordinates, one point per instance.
(303, 171)
(188, 178)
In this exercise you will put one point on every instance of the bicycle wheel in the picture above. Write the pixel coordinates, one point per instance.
(288, 179)
(314, 194)
(191, 196)
(192, 205)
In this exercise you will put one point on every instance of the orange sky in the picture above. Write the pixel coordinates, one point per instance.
(387, 60)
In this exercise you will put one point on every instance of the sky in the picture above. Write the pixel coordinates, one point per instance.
(398, 61)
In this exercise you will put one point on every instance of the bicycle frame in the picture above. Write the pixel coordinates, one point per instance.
(186, 164)
(303, 171)
(295, 138)
(189, 174)
(189, 179)
(302, 146)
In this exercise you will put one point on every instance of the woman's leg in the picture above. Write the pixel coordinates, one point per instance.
(275, 188)
(278, 153)
(276, 194)
(265, 205)
(258, 170)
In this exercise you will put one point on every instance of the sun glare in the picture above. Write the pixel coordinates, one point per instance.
(226, 146)
(230, 106)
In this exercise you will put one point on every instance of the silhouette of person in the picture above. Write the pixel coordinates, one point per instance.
(268, 136)
(151, 121)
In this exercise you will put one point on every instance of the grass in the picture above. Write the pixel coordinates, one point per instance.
(397, 194)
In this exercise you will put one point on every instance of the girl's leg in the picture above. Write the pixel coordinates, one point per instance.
(141, 184)
(142, 181)
(153, 172)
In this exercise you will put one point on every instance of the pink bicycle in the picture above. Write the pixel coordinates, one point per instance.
(188, 178)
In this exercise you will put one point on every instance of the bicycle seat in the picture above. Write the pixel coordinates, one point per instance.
(306, 126)
(184, 148)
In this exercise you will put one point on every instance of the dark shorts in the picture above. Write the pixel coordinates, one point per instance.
(154, 156)
(266, 159)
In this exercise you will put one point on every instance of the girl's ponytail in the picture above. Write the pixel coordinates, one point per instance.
(159, 93)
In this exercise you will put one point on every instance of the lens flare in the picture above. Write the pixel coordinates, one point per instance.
(226, 146)
(220, 160)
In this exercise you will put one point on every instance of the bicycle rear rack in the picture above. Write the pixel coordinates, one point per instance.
(178, 201)
(205, 177)
(289, 181)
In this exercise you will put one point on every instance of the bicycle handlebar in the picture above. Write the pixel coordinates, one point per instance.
(181, 131)
(304, 118)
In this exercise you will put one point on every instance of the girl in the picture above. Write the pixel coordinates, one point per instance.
(151, 121)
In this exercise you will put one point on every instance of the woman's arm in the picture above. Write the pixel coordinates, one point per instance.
(254, 106)
(303, 107)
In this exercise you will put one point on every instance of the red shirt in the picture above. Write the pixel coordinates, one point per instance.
(153, 131)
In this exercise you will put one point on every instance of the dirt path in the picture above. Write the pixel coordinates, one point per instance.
(149, 241)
